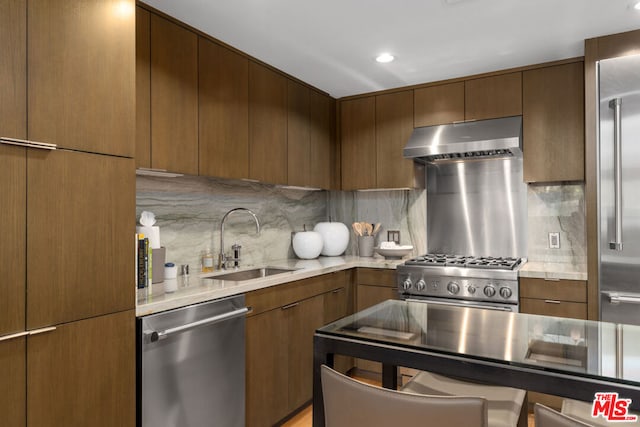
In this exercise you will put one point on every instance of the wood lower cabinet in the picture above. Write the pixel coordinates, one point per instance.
(553, 123)
(560, 298)
(279, 343)
(223, 96)
(13, 372)
(493, 97)
(83, 373)
(174, 97)
(81, 75)
(267, 125)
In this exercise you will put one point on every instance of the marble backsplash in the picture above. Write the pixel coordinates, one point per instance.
(557, 208)
(189, 210)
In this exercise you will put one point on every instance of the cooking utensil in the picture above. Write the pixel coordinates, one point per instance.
(357, 227)
(376, 229)
(369, 228)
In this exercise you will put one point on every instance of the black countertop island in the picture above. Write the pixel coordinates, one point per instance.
(566, 357)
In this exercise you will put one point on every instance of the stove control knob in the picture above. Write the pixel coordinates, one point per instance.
(406, 285)
(505, 292)
(471, 289)
(453, 288)
(489, 290)
(421, 285)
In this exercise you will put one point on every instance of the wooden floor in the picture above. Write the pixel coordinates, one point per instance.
(304, 418)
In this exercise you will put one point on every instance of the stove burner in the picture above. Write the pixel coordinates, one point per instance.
(447, 260)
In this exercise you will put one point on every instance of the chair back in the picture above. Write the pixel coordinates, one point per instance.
(547, 417)
(350, 403)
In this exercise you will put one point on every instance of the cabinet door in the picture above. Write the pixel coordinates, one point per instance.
(13, 188)
(83, 373)
(80, 222)
(493, 97)
(174, 97)
(336, 306)
(224, 111)
(303, 318)
(439, 105)
(298, 134)
(394, 124)
(81, 74)
(13, 382)
(553, 124)
(267, 368)
(267, 125)
(358, 139)
(143, 88)
(13, 68)
(367, 296)
(321, 140)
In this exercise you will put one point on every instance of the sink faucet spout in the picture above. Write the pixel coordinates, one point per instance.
(222, 258)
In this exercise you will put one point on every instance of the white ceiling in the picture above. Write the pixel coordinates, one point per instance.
(331, 44)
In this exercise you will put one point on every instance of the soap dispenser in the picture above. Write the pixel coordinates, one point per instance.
(207, 261)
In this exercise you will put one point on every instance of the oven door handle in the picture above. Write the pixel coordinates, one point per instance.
(456, 304)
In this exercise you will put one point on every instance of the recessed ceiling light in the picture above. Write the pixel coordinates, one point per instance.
(385, 57)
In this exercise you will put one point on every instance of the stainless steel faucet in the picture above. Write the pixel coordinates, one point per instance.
(222, 258)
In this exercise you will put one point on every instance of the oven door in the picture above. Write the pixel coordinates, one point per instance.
(464, 303)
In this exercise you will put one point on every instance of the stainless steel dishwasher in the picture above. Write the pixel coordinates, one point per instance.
(191, 366)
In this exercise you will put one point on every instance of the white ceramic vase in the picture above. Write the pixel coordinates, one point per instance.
(335, 236)
(307, 244)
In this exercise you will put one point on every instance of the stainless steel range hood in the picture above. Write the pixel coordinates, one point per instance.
(469, 140)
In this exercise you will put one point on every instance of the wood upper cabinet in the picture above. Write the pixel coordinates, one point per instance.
(143, 88)
(439, 105)
(493, 97)
(321, 139)
(81, 75)
(267, 125)
(174, 97)
(80, 217)
(394, 124)
(309, 124)
(553, 123)
(83, 373)
(13, 69)
(224, 111)
(358, 143)
(298, 134)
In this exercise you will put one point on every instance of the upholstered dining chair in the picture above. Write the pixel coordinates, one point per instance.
(351, 403)
(547, 417)
(505, 405)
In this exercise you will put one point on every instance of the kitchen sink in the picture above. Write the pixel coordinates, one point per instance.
(250, 274)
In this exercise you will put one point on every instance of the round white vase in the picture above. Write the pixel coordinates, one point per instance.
(307, 244)
(335, 236)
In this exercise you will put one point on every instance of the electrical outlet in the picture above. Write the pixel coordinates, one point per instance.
(554, 240)
(393, 236)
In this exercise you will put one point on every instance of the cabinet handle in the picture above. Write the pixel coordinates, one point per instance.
(27, 144)
(615, 105)
(335, 291)
(42, 330)
(552, 301)
(13, 336)
(287, 307)
(551, 279)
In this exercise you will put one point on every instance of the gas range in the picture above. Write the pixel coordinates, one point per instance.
(489, 282)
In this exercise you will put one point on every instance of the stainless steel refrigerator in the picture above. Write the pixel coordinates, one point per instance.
(619, 189)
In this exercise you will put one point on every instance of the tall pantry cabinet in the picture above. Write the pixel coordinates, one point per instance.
(67, 334)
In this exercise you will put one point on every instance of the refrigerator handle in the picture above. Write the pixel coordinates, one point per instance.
(615, 105)
(617, 298)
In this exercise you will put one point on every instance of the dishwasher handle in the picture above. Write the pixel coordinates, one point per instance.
(153, 336)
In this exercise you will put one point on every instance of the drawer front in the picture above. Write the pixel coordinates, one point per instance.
(562, 290)
(549, 307)
(376, 277)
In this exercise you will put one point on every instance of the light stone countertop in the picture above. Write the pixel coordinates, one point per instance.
(196, 288)
(554, 270)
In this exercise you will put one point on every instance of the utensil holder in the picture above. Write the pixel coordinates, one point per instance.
(365, 246)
